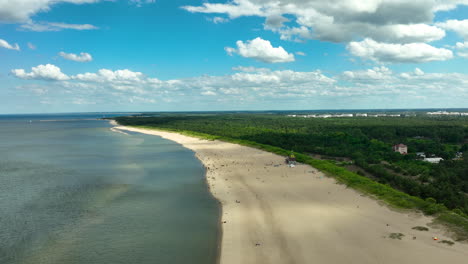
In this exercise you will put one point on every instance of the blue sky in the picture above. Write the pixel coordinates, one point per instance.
(175, 55)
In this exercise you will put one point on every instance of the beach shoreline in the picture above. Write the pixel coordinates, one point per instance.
(270, 213)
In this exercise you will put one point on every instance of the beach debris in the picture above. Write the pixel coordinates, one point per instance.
(257, 244)
(414, 237)
(435, 238)
(237, 201)
(224, 222)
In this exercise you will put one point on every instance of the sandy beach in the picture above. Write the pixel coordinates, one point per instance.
(276, 214)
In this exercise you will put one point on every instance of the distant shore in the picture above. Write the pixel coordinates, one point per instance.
(275, 214)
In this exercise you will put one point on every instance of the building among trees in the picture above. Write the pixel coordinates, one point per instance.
(402, 148)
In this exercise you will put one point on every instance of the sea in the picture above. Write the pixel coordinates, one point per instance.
(72, 191)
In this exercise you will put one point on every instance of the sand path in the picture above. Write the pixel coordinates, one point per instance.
(276, 214)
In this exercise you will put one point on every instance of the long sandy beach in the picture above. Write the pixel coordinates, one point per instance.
(275, 214)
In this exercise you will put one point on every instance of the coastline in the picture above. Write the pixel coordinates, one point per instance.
(271, 213)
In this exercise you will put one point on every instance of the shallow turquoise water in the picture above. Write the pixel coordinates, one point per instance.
(76, 192)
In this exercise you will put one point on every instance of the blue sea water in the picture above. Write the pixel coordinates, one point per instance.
(73, 191)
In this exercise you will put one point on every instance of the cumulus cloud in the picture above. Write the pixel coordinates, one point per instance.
(82, 57)
(458, 26)
(236, 9)
(106, 75)
(462, 49)
(6, 45)
(408, 33)
(50, 26)
(249, 87)
(275, 21)
(41, 72)
(261, 50)
(250, 69)
(397, 21)
(462, 45)
(375, 74)
(398, 53)
(447, 5)
(418, 72)
(18, 11)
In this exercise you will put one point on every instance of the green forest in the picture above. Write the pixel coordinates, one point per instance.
(360, 144)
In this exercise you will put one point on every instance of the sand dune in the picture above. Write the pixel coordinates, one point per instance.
(276, 214)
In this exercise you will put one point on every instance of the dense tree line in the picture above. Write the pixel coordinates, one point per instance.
(367, 141)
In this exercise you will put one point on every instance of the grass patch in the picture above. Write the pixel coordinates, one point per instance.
(421, 228)
(448, 242)
(396, 236)
(457, 224)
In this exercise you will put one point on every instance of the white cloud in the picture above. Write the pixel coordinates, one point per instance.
(218, 20)
(408, 33)
(106, 75)
(261, 50)
(17, 11)
(251, 87)
(6, 45)
(31, 46)
(209, 93)
(41, 72)
(82, 57)
(447, 5)
(250, 69)
(462, 49)
(398, 53)
(462, 45)
(458, 26)
(418, 72)
(300, 53)
(463, 54)
(50, 26)
(398, 21)
(236, 9)
(377, 74)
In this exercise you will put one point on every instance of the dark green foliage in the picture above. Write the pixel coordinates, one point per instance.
(421, 228)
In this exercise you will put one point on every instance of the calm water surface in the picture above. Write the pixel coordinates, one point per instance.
(72, 191)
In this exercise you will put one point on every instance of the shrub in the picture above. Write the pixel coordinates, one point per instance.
(396, 236)
(448, 242)
(421, 228)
